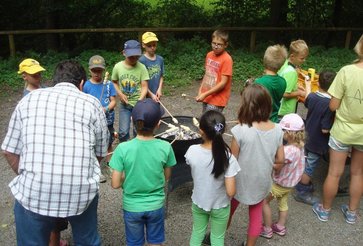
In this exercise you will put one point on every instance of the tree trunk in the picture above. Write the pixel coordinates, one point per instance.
(338, 6)
(51, 17)
(278, 18)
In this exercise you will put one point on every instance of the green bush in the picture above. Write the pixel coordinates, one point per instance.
(184, 63)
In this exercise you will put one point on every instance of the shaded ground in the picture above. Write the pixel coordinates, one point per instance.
(303, 227)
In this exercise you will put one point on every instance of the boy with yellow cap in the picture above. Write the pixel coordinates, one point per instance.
(154, 64)
(30, 70)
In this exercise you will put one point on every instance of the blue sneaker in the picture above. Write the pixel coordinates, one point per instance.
(305, 197)
(350, 217)
(323, 215)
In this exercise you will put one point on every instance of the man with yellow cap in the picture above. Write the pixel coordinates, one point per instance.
(30, 70)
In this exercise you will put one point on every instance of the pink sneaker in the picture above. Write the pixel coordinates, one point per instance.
(279, 230)
(266, 232)
(63, 243)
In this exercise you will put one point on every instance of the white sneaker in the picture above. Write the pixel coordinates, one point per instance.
(103, 178)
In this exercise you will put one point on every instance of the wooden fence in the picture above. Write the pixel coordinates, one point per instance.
(252, 30)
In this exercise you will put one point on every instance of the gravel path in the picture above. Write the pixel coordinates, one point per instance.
(303, 227)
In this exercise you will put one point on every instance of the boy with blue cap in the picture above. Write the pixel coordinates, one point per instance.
(130, 79)
(141, 167)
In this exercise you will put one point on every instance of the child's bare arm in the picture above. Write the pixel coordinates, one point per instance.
(230, 184)
(279, 159)
(234, 148)
(112, 104)
(159, 92)
(123, 97)
(167, 173)
(334, 104)
(218, 87)
(144, 89)
(117, 179)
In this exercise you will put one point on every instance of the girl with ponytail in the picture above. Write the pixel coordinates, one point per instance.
(213, 170)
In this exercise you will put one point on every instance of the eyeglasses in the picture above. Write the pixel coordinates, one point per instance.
(150, 45)
(217, 45)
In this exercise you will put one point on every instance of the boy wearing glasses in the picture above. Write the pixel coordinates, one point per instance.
(215, 88)
(154, 64)
(130, 79)
(105, 92)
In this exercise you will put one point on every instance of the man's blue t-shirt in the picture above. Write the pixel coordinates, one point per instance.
(319, 117)
(108, 92)
(155, 69)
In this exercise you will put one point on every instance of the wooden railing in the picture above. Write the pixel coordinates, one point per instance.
(253, 32)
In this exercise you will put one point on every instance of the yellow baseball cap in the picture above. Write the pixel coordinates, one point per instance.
(30, 66)
(148, 37)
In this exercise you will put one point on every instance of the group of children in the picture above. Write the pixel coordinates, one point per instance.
(268, 151)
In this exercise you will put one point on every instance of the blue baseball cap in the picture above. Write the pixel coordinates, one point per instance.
(148, 111)
(132, 48)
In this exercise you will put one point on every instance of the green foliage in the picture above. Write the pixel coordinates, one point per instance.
(184, 63)
(179, 13)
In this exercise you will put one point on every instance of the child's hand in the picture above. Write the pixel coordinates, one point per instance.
(200, 97)
(159, 93)
(123, 98)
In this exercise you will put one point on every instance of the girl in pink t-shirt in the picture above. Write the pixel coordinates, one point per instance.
(285, 176)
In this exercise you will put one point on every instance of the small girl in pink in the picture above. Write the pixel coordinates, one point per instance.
(285, 176)
(257, 145)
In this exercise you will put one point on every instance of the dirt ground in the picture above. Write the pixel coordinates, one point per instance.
(303, 226)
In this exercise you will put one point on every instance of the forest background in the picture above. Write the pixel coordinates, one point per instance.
(184, 52)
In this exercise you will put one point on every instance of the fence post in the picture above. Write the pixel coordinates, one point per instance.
(11, 45)
(348, 37)
(253, 41)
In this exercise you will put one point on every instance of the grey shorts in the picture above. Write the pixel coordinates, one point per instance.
(207, 107)
(341, 147)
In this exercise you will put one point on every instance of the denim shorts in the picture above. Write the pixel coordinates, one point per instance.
(341, 147)
(312, 161)
(137, 222)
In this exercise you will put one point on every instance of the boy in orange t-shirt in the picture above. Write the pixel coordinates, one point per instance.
(215, 88)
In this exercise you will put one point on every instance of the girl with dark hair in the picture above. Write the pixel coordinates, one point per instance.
(257, 145)
(213, 170)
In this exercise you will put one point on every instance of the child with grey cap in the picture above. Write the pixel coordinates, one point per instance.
(141, 167)
(130, 79)
(105, 92)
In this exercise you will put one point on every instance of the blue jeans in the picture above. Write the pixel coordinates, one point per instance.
(137, 222)
(34, 229)
(312, 161)
(124, 121)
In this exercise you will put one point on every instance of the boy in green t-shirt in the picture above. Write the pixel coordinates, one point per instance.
(130, 79)
(298, 53)
(273, 59)
(141, 167)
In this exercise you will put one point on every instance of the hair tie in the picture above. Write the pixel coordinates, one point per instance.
(218, 127)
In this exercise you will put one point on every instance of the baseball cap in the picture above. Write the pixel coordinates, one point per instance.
(132, 48)
(148, 111)
(96, 62)
(292, 122)
(30, 66)
(148, 37)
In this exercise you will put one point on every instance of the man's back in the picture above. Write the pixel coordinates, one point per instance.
(59, 132)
